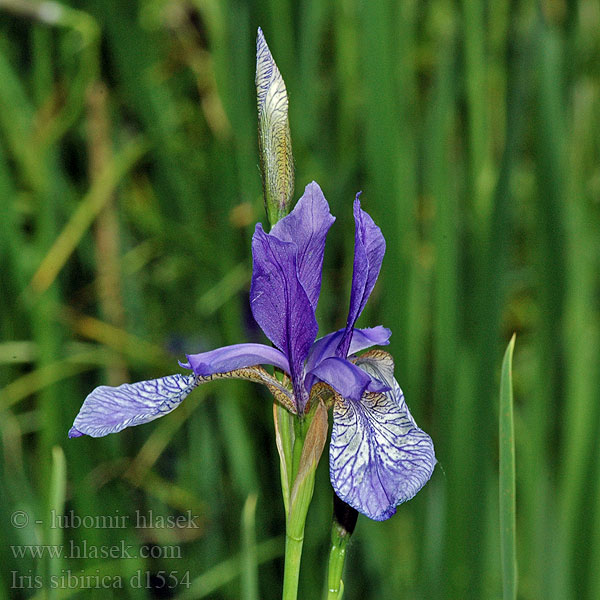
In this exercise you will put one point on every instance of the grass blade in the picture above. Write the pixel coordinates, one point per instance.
(249, 557)
(507, 479)
(56, 504)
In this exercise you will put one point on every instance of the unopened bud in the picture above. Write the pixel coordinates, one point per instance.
(274, 140)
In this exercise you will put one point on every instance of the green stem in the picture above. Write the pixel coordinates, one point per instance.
(293, 556)
(300, 423)
(294, 535)
(342, 527)
(310, 434)
(508, 543)
(337, 556)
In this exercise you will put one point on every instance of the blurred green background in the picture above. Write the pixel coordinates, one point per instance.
(129, 191)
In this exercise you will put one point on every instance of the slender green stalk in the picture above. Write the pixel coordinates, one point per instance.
(293, 556)
(249, 557)
(93, 202)
(226, 571)
(296, 518)
(508, 526)
(310, 436)
(56, 503)
(344, 521)
(337, 556)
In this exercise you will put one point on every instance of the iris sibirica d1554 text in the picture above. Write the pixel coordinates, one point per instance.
(378, 456)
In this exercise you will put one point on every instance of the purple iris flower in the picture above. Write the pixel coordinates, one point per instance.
(378, 456)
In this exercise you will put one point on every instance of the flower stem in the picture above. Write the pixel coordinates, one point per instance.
(293, 555)
(337, 556)
(310, 434)
(296, 517)
(344, 521)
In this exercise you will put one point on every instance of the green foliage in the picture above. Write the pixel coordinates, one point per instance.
(507, 497)
(129, 191)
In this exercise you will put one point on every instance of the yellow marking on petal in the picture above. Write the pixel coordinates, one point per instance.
(258, 375)
(324, 393)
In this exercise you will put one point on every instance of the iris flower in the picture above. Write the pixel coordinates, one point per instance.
(378, 456)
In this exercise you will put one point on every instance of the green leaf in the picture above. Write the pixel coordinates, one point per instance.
(508, 528)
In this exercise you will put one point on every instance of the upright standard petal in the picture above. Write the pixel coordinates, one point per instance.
(369, 248)
(307, 226)
(378, 457)
(274, 140)
(280, 304)
(111, 409)
(237, 356)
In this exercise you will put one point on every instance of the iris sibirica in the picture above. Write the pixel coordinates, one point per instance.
(378, 456)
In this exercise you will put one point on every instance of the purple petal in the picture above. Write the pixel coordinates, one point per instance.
(280, 305)
(307, 226)
(111, 409)
(378, 456)
(369, 248)
(238, 356)
(347, 379)
(361, 340)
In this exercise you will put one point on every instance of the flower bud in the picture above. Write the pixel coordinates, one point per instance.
(274, 141)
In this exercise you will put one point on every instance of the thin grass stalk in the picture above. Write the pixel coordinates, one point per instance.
(582, 342)
(54, 535)
(485, 311)
(550, 154)
(390, 205)
(106, 229)
(507, 483)
(440, 193)
(249, 556)
(479, 141)
(213, 579)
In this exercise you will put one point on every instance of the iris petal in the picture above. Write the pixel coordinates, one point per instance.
(327, 345)
(237, 356)
(280, 304)
(378, 457)
(369, 248)
(111, 409)
(278, 389)
(361, 340)
(347, 379)
(307, 226)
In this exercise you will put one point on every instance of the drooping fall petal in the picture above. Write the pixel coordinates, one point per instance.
(111, 409)
(378, 456)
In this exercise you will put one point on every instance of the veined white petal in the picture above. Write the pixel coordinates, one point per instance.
(111, 409)
(378, 458)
